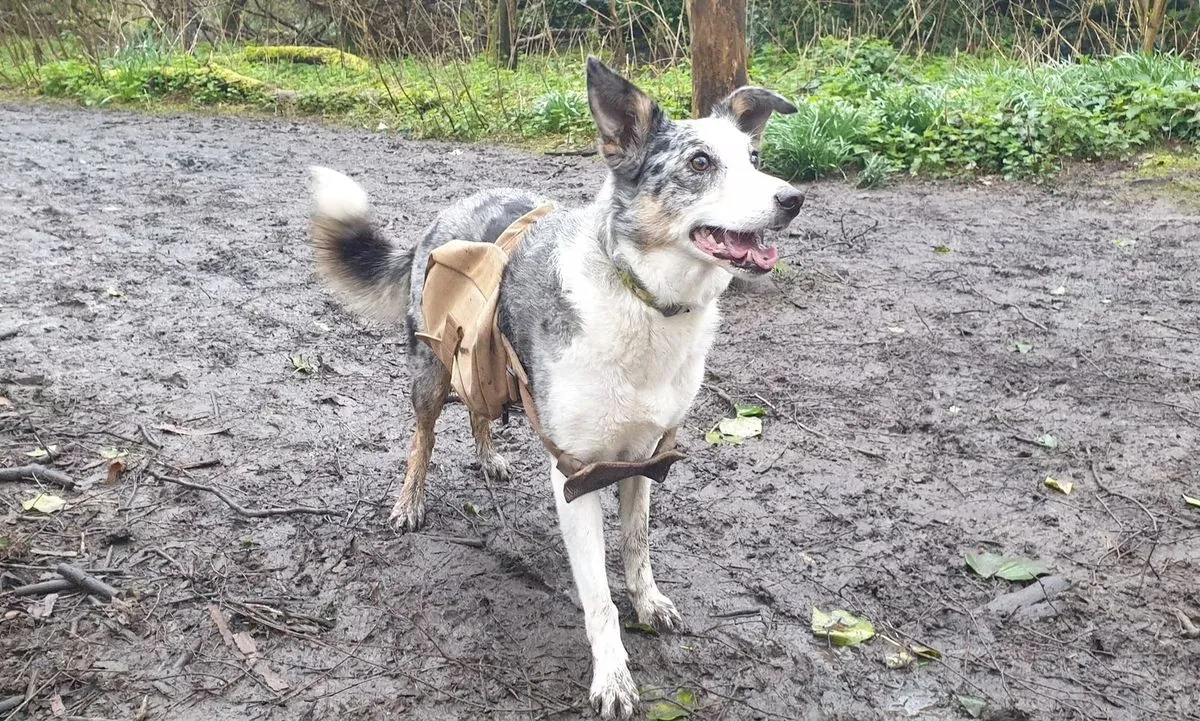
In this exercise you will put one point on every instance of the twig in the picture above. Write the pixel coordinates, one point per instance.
(37, 473)
(1139, 504)
(472, 542)
(240, 509)
(91, 584)
(1187, 628)
(37, 589)
(11, 703)
(582, 153)
(1005, 304)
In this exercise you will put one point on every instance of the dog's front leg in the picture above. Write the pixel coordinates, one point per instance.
(652, 606)
(613, 692)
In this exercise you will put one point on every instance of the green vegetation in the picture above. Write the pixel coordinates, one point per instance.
(865, 108)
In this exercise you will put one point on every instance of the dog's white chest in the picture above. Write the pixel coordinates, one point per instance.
(630, 375)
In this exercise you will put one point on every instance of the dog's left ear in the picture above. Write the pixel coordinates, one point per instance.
(625, 116)
(750, 108)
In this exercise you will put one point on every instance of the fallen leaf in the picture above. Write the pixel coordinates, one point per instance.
(988, 564)
(714, 437)
(5, 402)
(111, 453)
(1021, 346)
(44, 607)
(44, 503)
(941, 249)
(748, 411)
(273, 680)
(1191, 501)
(115, 468)
(245, 643)
(471, 508)
(41, 453)
(973, 706)
(181, 431)
(321, 326)
(842, 628)
(666, 711)
(114, 292)
(896, 329)
(1063, 487)
(1060, 290)
(740, 427)
(900, 659)
(638, 627)
(300, 364)
(1047, 441)
(57, 707)
(926, 652)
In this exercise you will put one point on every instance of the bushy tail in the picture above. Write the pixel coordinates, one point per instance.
(352, 257)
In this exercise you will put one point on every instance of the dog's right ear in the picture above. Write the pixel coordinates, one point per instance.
(625, 116)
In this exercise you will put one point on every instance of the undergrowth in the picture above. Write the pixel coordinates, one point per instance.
(864, 109)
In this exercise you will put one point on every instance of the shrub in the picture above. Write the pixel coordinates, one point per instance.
(305, 55)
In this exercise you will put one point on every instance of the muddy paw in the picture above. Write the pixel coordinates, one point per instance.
(495, 469)
(614, 695)
(408, 515)
(656, 610)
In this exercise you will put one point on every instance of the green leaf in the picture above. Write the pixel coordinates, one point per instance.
(973, 706)
(740, 427)
(302, 365)
(1047, 441)
(1021, 346)
(666, 711)
(1191, 501)
(1063, 487)
(42, 453)
(988, 564)
(4, 543)
(638, 627)
(716, 438)
(842, 628)
(941, 249)
(686, 697)
(748, 411)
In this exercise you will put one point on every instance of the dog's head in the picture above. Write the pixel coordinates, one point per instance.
(692, 187)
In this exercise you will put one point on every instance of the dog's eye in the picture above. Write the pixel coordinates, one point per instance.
(700, 162)
(754, 159)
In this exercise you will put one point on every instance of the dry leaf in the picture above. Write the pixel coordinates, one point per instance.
(44, 607)
(1063, 487)
(43, 453)
(181, 431)
(115, 468)
(57, 707)
(842, 628)
(44, 503)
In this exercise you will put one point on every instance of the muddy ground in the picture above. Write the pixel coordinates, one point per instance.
(155, 274)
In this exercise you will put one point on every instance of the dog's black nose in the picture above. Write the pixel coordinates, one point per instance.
(789, 200)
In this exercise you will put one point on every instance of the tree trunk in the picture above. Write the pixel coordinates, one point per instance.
(506, 42)
(719, 51)
(1152, 25)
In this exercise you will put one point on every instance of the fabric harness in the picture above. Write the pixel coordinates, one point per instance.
(460, 308)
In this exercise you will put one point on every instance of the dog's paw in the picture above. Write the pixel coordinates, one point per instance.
(655, 609)
(407, 515)
(496, 469)
(614, 695)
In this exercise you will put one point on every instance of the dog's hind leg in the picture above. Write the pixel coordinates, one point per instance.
(430, 384)
(495, 468)
(653, 608)
(613, 693)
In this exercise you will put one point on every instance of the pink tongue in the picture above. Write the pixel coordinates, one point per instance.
(741, 246)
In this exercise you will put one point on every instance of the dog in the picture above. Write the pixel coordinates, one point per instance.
(612, 309)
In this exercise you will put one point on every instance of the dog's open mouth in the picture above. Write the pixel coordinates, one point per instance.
(743, 249)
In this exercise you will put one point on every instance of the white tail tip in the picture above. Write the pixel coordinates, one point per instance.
(338, 197)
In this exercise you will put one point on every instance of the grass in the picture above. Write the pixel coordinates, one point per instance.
(865, 109)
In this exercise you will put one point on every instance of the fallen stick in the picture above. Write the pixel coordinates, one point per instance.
(240, 509)
(37, 473)
(11, 703)
(91, 584)
(44, 587)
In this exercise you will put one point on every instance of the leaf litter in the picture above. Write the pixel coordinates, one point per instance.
(1010, 568)
(840, 627)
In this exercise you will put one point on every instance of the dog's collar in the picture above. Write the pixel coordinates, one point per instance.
(642, 293)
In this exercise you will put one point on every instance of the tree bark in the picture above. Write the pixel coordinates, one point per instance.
(506, 42)
(719, 51)
(1153, 22)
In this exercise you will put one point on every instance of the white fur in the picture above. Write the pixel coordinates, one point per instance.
(337, 197)
(630, 375)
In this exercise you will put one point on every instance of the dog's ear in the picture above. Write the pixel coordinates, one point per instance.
(750, 108)
(625, 116)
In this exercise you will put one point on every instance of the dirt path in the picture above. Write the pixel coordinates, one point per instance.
(155, 273)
